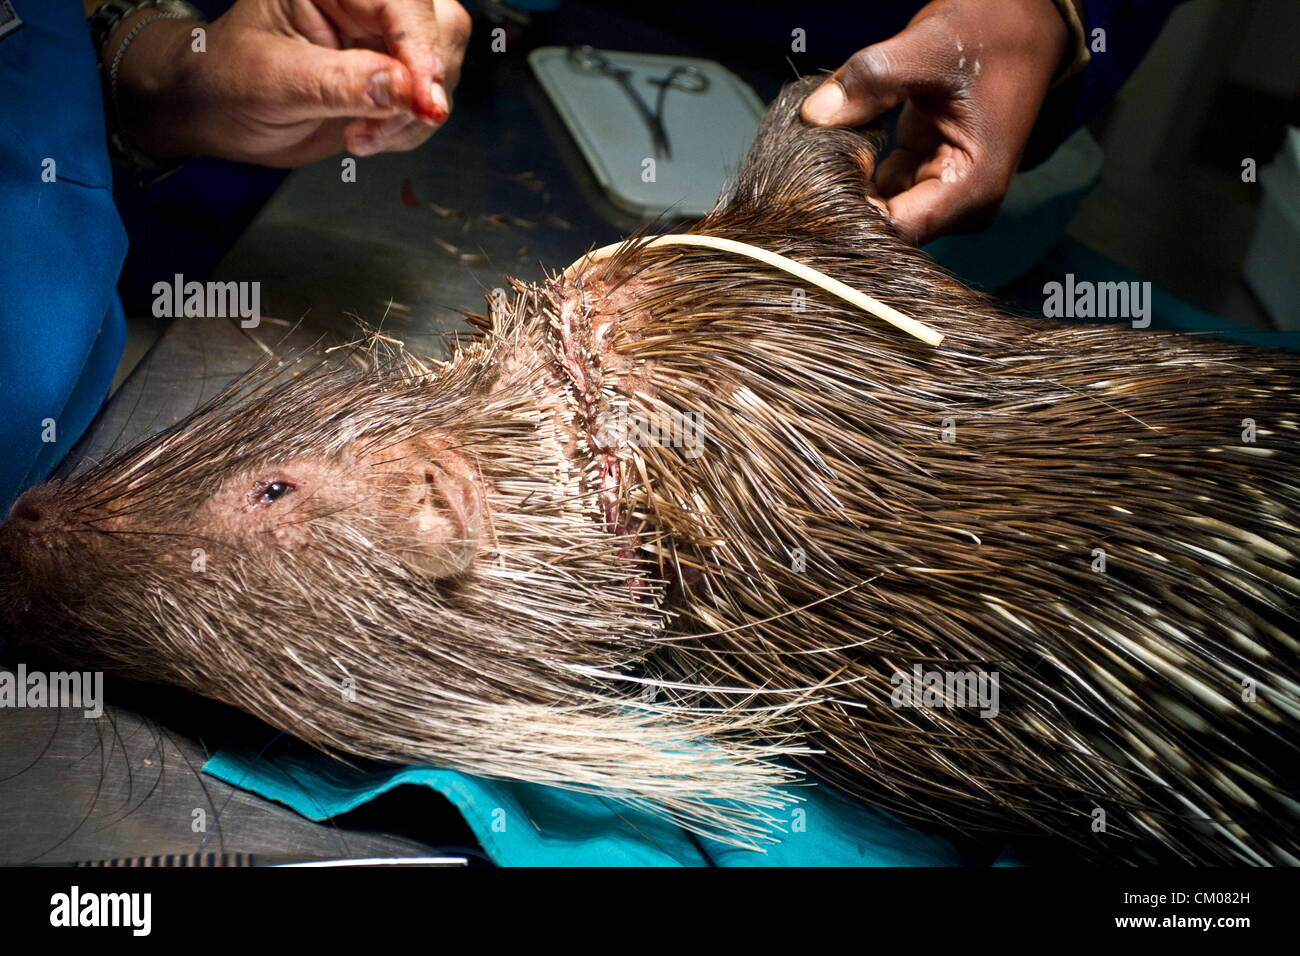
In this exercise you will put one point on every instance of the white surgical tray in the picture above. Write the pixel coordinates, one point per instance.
(707, 132)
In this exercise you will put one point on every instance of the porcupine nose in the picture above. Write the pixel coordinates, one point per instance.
(27, 516)
(25, 535)
(33, 513)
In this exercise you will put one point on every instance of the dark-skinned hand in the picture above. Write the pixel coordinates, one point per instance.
(972, 76)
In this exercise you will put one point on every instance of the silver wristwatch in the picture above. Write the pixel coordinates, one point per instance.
(104, 22)
(109, 14)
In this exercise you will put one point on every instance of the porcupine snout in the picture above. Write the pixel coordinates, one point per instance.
(31, 539)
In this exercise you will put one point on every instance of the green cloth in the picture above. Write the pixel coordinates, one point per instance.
(521, 824)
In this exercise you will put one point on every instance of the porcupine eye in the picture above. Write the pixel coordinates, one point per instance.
(272, 492)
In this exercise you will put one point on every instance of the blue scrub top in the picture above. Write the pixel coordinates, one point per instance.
(62, 243)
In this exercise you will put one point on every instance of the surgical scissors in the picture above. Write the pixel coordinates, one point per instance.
(685, 78)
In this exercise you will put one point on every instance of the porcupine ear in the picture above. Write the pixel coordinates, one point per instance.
(437, 512)
(810, 171)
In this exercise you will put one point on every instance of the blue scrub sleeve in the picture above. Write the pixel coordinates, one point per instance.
(61, 244)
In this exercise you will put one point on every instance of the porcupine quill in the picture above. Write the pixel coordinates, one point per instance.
(517, 590)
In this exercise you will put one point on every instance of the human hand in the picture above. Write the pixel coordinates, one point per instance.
(288, 82)
(972, 75)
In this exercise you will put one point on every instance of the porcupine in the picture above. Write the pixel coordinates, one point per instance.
(516, 589)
